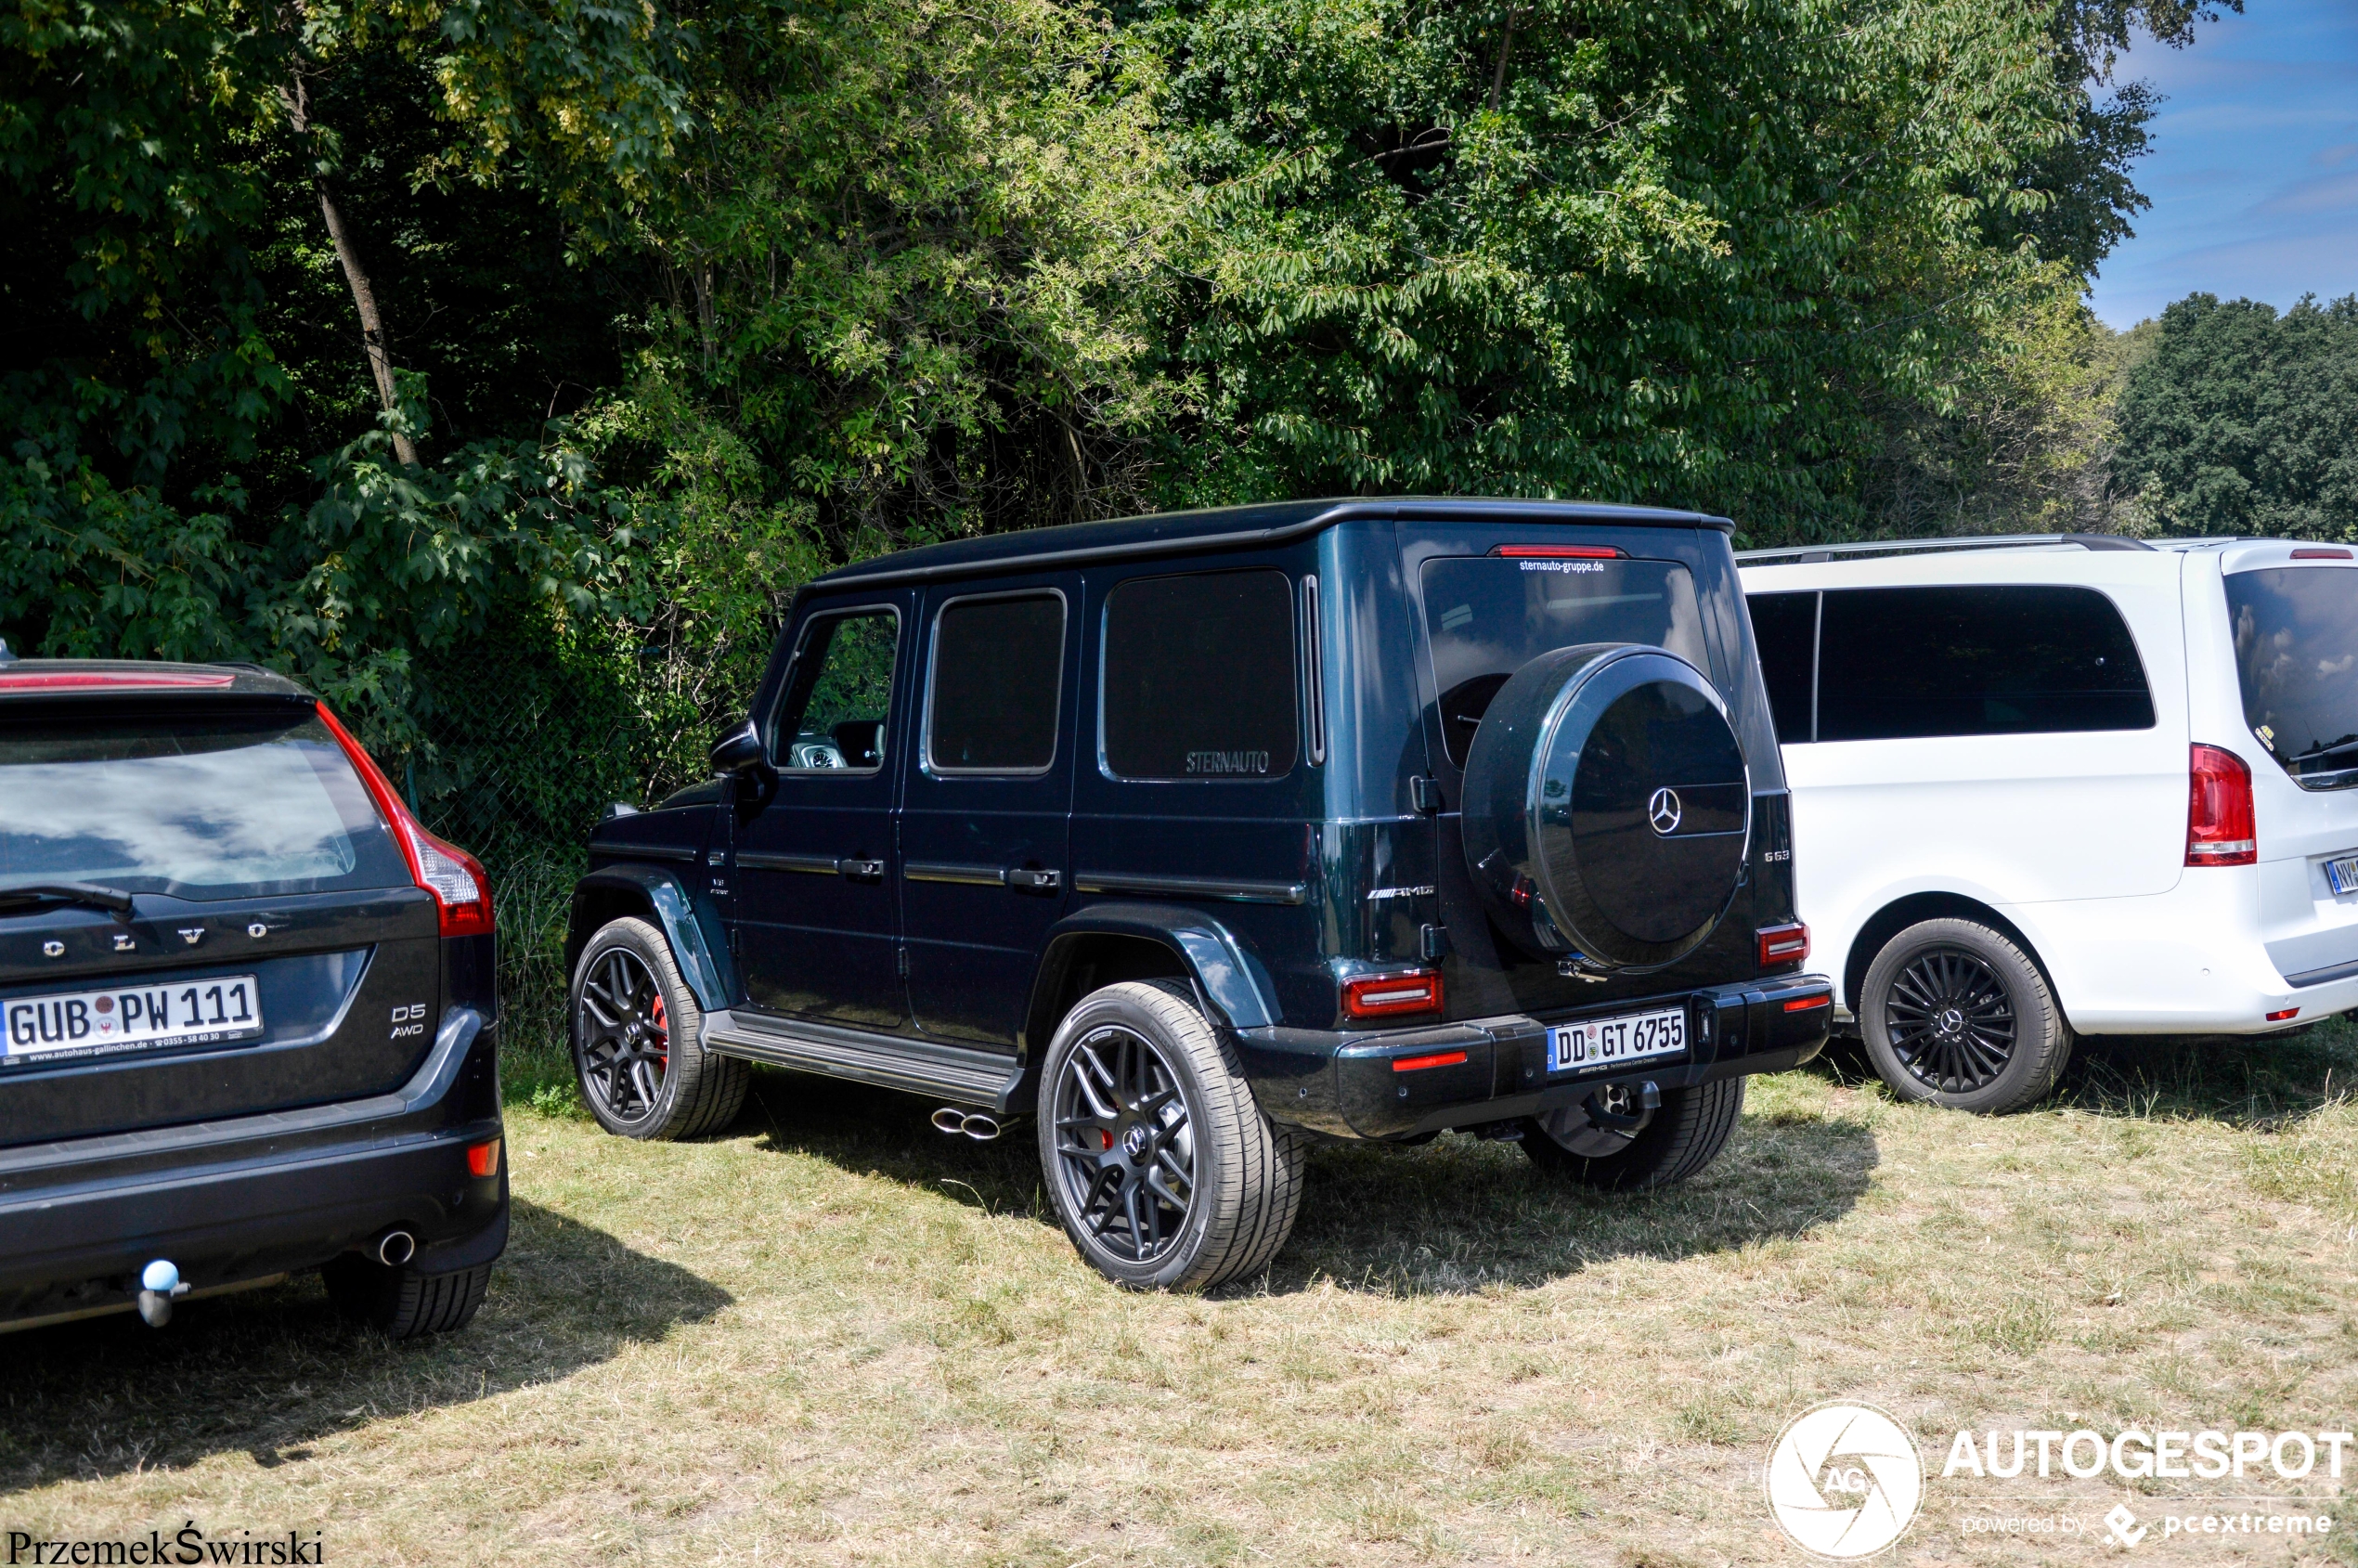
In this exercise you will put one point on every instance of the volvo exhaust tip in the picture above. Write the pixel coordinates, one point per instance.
(395, 1247)
(980, 1125)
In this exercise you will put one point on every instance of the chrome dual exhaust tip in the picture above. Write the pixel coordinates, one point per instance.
(980, 1125)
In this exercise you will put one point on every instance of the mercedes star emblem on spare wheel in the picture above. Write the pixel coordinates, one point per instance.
(1664, 811)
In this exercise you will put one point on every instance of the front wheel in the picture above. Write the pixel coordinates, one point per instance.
(1956, 1013)
(1160, 1164)
(636, 1052)
(1685, 1134)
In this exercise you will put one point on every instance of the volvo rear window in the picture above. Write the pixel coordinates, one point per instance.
(2297, 659)
(1486, 616)
(217, 804)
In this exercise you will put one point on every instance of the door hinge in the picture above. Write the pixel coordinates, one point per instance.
(900, 962)
(1426, 792)
(1432, 941)
(735, 950)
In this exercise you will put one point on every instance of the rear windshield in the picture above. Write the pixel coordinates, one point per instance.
(204, 806)
(2297, 659)
(1487, 617)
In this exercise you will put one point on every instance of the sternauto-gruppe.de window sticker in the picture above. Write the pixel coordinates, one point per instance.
(1847, 1481)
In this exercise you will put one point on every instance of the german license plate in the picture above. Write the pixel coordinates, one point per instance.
(1634, 1037)
(2343, 873)
(132, 1017)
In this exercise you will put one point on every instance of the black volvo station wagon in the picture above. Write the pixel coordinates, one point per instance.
(1189, 839)
(246, 1008)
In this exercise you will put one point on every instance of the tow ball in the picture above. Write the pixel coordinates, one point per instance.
(159, 1283)
(1618, 1108)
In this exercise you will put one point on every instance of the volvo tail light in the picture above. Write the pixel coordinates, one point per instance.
(1782, 944)
(462, 892)
(2219, 823)
(1387, 996)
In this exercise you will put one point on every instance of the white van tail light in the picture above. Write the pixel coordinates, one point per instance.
(462, 892)
(2220, 820)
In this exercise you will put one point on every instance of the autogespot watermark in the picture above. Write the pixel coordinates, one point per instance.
(1845, 1480)
(188, 1544)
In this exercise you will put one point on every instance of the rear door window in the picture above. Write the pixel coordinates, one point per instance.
(1899, 663)
(2297, 660)
(998, 667)
(202, 805)
(1199, 677)
(1486, 616)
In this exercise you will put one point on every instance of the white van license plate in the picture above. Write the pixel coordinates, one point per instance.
(199, 1013)
(2342, 875)
(1604, 1041)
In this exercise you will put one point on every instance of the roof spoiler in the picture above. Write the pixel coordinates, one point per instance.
(1803, 554)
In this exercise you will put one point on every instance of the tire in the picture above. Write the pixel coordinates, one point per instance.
(1687, 1132)
(1141, 1105)
(401, 1303)
(637, 1055)
(1956, 1014)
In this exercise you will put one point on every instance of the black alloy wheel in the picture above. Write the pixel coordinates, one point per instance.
(1125, 1144)
(1959, 1014)
(1950, 1021)
(625, 1036)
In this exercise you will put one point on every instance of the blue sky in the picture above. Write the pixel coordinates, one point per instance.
(2253, 169)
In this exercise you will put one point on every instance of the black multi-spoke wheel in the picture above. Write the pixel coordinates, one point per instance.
(625, 1041)
(1125, 1150)
(1950, 1021)
(642, 1069)
(1159, 1163)
(1957, 1013)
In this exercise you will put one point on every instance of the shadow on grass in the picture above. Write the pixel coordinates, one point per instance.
(2238, 1080)
(1453, 1216)
(267, 1372)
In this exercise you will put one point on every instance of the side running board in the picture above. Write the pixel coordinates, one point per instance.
(989, 1079)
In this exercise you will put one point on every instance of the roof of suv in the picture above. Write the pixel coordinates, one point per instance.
(84, 678)
(1230, 527)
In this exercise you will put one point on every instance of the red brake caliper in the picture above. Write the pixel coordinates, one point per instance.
(663, 1029)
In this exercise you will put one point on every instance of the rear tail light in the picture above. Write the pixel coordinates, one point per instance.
(1386, 996)
(1782, 944)
(462, 892)
(1431, 1058)
(483, 1160)
(1803, 1004)
(2282, 1014)
(2220, 828)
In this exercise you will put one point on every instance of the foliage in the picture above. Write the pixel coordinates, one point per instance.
(2244, 421)
(1667, 251)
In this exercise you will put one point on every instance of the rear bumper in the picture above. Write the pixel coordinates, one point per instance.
(1353, 1085)
(233, 1201)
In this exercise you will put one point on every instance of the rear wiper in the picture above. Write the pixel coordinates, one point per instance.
(2334, 750)
(89, 893)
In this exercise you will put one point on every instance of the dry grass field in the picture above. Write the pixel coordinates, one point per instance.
(832, 1336)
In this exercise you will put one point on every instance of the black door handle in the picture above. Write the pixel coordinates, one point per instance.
(1029, 879)
(860, 870)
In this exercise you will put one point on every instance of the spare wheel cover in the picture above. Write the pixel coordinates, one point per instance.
(1608, 811)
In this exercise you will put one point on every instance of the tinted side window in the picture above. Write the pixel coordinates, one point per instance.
(1199, 677)
(1785, 626)
(833, 714)
(1898, 662)
(998, 665)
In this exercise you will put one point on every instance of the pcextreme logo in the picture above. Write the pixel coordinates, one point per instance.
(1845, 1481)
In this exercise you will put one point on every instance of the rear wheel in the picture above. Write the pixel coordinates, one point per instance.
(1958, 1015)
(1685, 1134)
(400, 1302)
(636, 1049)
(1160, 1164)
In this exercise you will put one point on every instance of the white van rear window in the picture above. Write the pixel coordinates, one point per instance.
(2297, 659)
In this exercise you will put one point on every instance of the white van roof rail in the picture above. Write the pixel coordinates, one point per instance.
(1803, 554)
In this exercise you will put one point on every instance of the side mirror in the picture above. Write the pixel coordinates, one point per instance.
(740, 751)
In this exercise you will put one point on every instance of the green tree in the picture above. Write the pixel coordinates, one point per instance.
(2240, 420)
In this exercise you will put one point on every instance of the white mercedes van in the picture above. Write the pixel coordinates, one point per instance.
(2066, 785)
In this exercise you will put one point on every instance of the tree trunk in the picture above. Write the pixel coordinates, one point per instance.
(364, 297)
